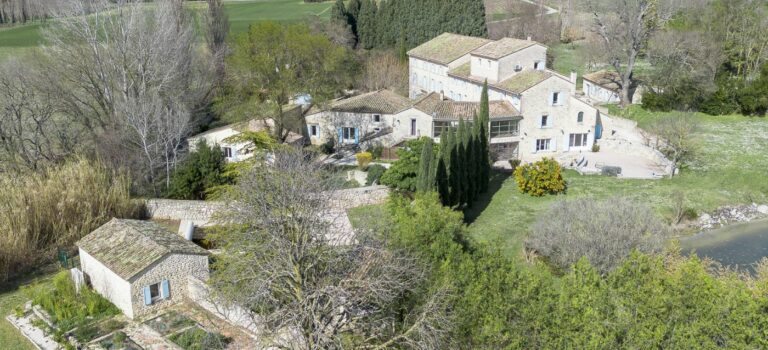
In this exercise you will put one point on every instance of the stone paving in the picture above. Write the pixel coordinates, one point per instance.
(35, 335)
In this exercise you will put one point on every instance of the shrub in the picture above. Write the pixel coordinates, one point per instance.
(403, 173)
(39, 212)
(595, 148)
(363, 160)
(67, 308)
(514, 163)
(603, 231)
(328, 147)
(198, 339)
(201, 170)
(374, 174)
(376, 151)
(540, 178)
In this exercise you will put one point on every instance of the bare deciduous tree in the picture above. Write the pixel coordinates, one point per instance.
(604, 231)
(383, 70)
(312, 285)
(624, 28)
(33, 132)
(133, 70)
(683, 59)
(676, 136)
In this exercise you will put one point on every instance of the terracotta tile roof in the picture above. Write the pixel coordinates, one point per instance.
(453, 110)
(127, 247)
(516, 84)
(502, 47)
(381, 101)
(606, 79)
(447, 47)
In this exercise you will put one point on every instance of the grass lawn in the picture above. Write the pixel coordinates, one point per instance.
(17, 39)
(11, 297)
(730, 168)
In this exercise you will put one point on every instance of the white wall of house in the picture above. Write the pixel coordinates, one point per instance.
(404, 121)
(561, 120)
(429, 76)
(327, 125)
(235, 151)
(599, 93)
(107, 283)
(507, 66)
(176, 269)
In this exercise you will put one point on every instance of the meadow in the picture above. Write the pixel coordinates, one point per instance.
(15, 40)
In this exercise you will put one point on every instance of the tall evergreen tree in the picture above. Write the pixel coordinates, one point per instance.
(441, 171)
(339, 13)
(425, 181)
(461, 145)
(483, 125)
(367, 24)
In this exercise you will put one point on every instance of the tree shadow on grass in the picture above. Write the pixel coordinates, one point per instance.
(478, 207)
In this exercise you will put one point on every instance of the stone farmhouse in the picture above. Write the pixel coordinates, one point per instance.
(534, 111)
(140, 266)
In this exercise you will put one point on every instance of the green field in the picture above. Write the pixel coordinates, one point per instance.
(17, 39)
(730, 168)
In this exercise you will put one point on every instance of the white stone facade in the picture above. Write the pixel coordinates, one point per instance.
(107, 283)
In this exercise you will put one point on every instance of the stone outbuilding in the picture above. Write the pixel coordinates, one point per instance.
(140, 266)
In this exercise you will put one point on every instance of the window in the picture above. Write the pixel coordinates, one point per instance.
(348, 133)
(377, 118)
(413, 127)
(536, 65)
(314, 130)
(227, 152)
(542, 145)
(555, 98)
(438, 128)
(545, 121)
(518, 68)
(578, 140)
(580, 117)
(505, 128)
(154, 292)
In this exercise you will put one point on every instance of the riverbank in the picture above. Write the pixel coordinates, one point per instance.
(729, 215)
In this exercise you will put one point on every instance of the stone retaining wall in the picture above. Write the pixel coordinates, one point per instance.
(199, 212)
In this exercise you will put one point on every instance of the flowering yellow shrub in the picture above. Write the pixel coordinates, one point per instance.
(364, 159)
(540, 178)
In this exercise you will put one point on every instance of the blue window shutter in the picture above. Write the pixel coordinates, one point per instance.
(357, 135)
(166, 292)
(147, 296)
(341, 136)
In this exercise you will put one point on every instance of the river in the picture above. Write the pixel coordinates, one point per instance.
(739, 245)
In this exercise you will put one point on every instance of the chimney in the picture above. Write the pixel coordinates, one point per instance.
(442, 95)
(186, 229)
(574, 79)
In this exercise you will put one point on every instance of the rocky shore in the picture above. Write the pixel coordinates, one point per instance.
(731, 215)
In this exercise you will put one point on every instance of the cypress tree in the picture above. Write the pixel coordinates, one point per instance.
(425, 181)
(339, 13)
(463, 161)
(441, 171)
(484, 140)
(353, 13)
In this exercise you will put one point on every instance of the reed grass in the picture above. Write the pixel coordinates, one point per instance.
(41, 212)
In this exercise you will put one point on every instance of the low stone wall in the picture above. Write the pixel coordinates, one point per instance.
(198, 212)
(199, 293)
(356, 197)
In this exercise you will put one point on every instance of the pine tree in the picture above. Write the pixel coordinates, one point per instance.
(425, 180)
(339, 13)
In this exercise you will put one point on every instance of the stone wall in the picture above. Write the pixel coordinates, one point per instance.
(356, 197)
(199, 212)
(199, 293)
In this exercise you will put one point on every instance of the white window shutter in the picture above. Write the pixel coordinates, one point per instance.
(566, 142)
(551, 95)
(533, 150)
(553, 145)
